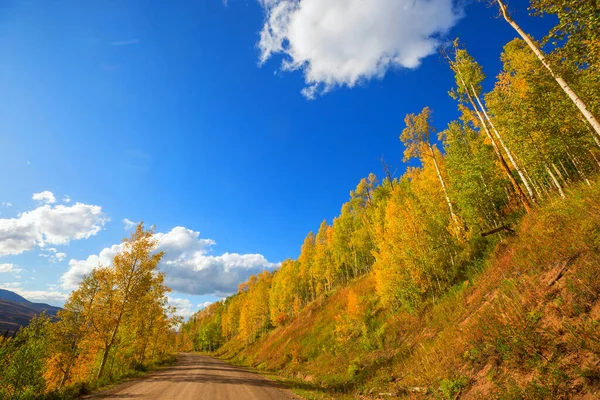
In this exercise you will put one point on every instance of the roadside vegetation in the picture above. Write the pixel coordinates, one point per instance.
(522, 324)
(475, 274)
(114, 326)
(472, 275)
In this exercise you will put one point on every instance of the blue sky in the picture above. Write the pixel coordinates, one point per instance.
(163, 112)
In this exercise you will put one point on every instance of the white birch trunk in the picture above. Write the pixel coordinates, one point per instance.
(591, 119)
(504, 146)
(439, 174)
(506, 169)
(556, 182)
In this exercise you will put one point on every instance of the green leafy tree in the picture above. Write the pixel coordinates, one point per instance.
(22, 361)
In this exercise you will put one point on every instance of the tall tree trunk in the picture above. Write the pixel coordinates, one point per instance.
(567, 176)
(535, 186)
(146, 340)
(443, 184)
(579, 168)
(124, 304)
(538, 190)
(65, 376)
(109, 345)
(503, 164)
(560, 175)
(556, 182)
(561, 82)
(103, 363)
(504, 146)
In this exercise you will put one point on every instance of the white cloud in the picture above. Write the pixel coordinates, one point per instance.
(79, 268)
(45, 197)
(36, 296)
(202, 306)
(342, 42)
(50, 225)
(183, 307)
(217, 275)
(7, 267)
(66, 198)
(187, 266)
(129, 224)
(10, 285)
(6, 204)
(43, 296)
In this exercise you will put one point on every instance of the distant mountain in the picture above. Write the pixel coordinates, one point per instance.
(16, 311)
(12, 296)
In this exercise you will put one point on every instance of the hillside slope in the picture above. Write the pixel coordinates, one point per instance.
(16, 311)
(526, 324)
(12, 296)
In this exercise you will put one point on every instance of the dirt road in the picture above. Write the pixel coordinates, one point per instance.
(198, 377)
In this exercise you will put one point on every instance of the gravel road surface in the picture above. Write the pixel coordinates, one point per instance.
(199, 377)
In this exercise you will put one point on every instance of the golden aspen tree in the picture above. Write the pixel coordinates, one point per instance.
(471, 76)
(416, 138)
(332, 270)
(283, 292)
(476, 183)
(462, 94)
(71, 329)
(134, 274)
(341, 246)
(321, 260)
(542, 123)
(306, 259)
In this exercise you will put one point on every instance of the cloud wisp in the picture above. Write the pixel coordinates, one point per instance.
(8, 267)
(343, 42)
(129, 224)
(45, 197)
(128, 42)
(53, 255)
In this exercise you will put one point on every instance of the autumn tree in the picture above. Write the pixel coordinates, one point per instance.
(416, 138)
(544, 125)
(468, 77)
(134, 273)
(306, 260)
(71, 331)
(322, 263)
(283, 292)
(586, 26)
(476, 183)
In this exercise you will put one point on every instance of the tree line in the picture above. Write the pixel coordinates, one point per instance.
(525, 142)
(114, 323)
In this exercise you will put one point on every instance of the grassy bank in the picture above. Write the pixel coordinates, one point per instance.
(524, 323)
